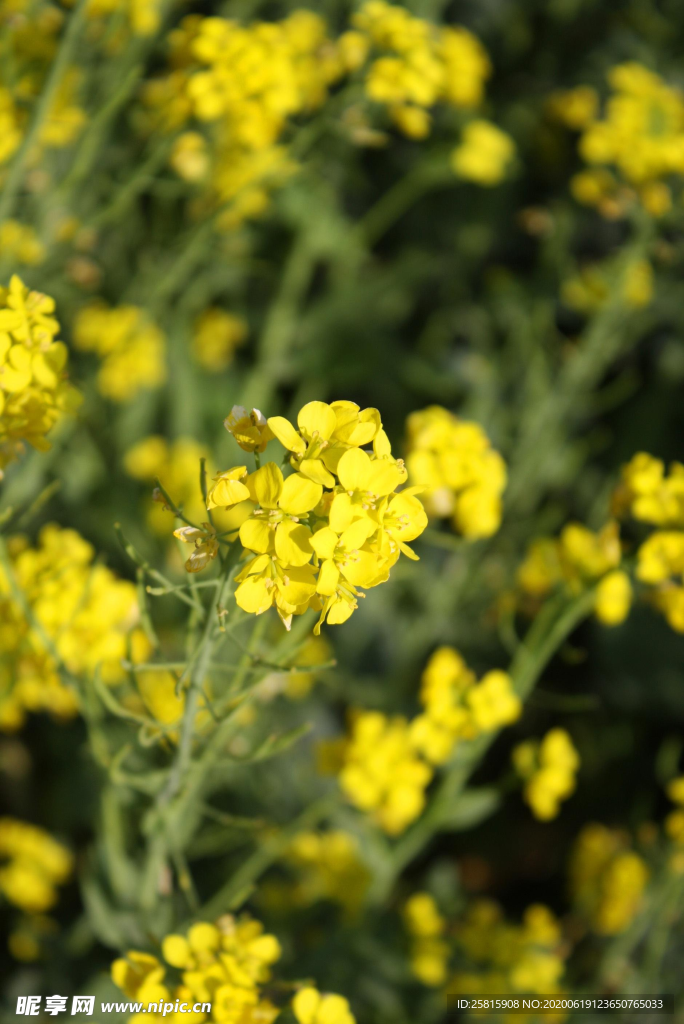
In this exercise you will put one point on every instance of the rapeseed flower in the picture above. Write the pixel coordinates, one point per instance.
(429, 952)
(34, 390)
(225, 965)
(132, 349)
(332, 526)
(382, 773)
(88, 615)
(461, 475)
(549, 768)
(216, 336)
(457, 707)
(32, 865)
(607, 879)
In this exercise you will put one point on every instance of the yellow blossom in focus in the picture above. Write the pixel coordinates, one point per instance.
(312, 547)
(132, 350)
(32, 865)
(249, 428)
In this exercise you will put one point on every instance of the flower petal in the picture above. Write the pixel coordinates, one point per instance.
(293, 543)
(265, 485)
(299, 495)
(286, 434)
(317, 418)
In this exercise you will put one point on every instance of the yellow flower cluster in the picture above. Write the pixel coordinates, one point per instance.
(430, 952)
(32, 865)
(652, 496)
(549, 768)
(335, 524)
(223, 965)
(576, 559)
(329, 867)
(422, 65)
(509, 958)
(589, 290)
(29, 32)
(461, 474)
(484, 154)
(607, 879)
(311, 1007)
(388, 763)
(382, 772)
(242, 86)
(34, 390)
(132, 350)
(639, 140)
(86, 612)
(458, 707)
(216, 336)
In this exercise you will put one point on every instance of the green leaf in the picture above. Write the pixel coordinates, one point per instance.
(471, 808)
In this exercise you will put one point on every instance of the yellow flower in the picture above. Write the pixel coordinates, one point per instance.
(613, 598)
(325, 433)
(90, 615)
(330, 868)
(131, 348)
(381, 773)
(216, 336)
(249, 429)
(484, 155)
(310, 1007)
(461, 475)
(32, 865)
(549, 768)
(426, 926)
(34, 390)
(190, 160)
(607, 880)
(493, 702)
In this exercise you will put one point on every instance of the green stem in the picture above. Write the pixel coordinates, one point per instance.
(42, 111)
(238, 887)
